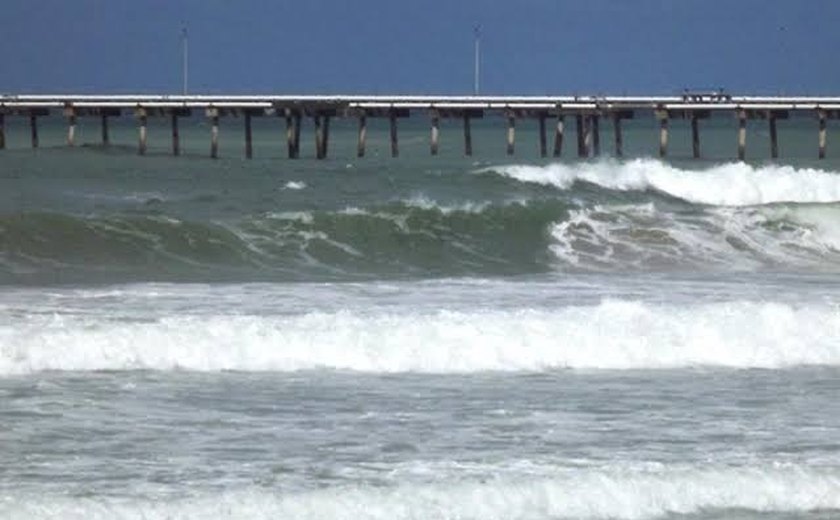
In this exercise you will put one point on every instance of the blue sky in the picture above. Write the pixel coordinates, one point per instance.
(422, 47)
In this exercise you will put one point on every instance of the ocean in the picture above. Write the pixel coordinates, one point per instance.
(448, 337)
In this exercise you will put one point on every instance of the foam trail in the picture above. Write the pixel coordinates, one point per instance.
(734, 184)
(611, 335)
(588, 494)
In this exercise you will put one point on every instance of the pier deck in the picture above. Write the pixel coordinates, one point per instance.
(586, 111)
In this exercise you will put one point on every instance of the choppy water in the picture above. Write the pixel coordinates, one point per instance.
(445, 337)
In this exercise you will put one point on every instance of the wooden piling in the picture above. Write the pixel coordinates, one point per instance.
(619, 138)
(176, 138)
(511, 133)
(558, 136)
(774, 136)
(822, 117)
(695, 136)
(213, 114)
(360, 148)
(326, 131)
(662, 115)
(543, 142)
(742, 134)
(2, 131)
(595, 122)
(290, 135)
(33, 129)
(435, 132)
(297, 119)
(319, 137)
(71, 129)
(395, 149)
(106, 138)
(142, 118)
(468, 149)
(581, 145)
(249, 146)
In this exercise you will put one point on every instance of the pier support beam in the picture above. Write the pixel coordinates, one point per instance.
(435, 137)
(106, 138)
(213, 114)
(558, 136)
(774, 136)
(619, 138)
(511, 133)
(360, 146)
(822, 117)
(33, 129)
(70, 114)
(249, 145)
(543, 140)
(176, 138)
(595, 123)
(142, 119)
(395, 148)
(742, 134)
(695, 136)
(581, 144)
(662, 116)
(468, 149)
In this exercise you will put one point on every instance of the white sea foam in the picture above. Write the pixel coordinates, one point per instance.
(294, 185)
(642, 236)
(614, 334)
(733, 184)
(591, 494)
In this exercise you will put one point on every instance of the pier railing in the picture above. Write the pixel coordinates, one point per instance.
(586, 111)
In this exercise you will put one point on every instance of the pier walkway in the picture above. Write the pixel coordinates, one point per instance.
(587, 112)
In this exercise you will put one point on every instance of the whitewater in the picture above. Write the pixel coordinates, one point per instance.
(418, 338)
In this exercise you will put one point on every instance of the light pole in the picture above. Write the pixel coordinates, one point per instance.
(477, 69)
(185, 64)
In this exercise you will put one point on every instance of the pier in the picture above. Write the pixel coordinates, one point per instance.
(587, 112)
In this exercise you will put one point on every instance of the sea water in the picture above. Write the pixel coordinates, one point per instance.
(423, 337)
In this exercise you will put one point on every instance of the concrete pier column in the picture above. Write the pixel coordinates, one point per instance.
(297, 119)
(774, 136)
(106, 138)
(468, 150)
(249, 146)
(360, 147)
(290, 134)
(543, 141)
(435, 137)
(587, 136)
(619, 138)
(558, 136)
(142, 119)
(595, 122)
(213, 114)
(695, 137)
(822, 117)
(395, 148)
(2, 131)
(70, 113)
(33, 129)
(319, 137)
(742, 134)
(511, 133)
(176, 138)
(326, 132)
(581, 140)
(662, 116)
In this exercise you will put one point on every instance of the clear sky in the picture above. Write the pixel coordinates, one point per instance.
(421, 47)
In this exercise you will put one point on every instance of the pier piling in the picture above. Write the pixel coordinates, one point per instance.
(106, 138)
(662, 116)
(581, 144)
(595, 122)
(319, 137)
(468, 149)
(392, 119)
(70, 113)
(511, 133)
(619, 139)
(213, 114)
(742, 134)
(695, 136)
(774, 136)
(176, 138)
(33, 129)
(360, 146)
(435, 132)
(2, 131)
(822, 117)
(142, 118)
(249, 146)
(558, 136)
